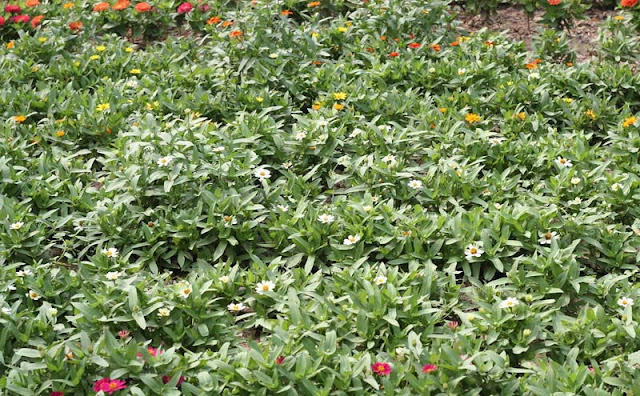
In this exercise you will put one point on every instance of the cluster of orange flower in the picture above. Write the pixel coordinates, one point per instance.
(122, 5)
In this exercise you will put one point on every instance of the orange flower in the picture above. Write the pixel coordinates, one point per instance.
(628, 3)
(75, 26)
(66, 6)
(435, 47)
(121, 5)
(32, 3)
(227, 23)
(143, 7)
(554, 2)
(394, 54)
(313, 4)
(383, 38)
(213, 20)
(570, 64)
(102, 6)
(236, 34)
(286, 12)
(36, 21)
(454, 43)
(531, 66)
(19, 119)
(369, 49)
(317, 63)
(489, 43)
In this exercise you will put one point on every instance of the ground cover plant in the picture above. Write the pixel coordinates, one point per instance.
(313, 198)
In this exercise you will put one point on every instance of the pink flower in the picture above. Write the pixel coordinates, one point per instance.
(380, 368)
(56, 393)
(124, 333)
(453, 324)
(12, 9)
(108, 385)
(167, 378)
(429, 368)
(204, 7)
(279, 360)
(1, 21)
(152, 351)
(20, 18)
(185, 7)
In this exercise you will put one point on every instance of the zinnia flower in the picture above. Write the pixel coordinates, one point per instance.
(20, 19)
(380, 280)
(429, 368)
(394, 54)
(124, 333)
(325, 218)
(265, 286)
(351, 239)
(472, 118)
(236, 307)
(185, 8)
(262, 173)
(36, 21)
(111, 252)
(166, 379)
(12, 9)
(473, 250)
(625, 302)
(108, 385)
(547, 237)
(56, 393)
(143, 7)
(629, 121)
(279, 360)
(414, 45)
(509, 302)
(75, 26)
(121, 5)
(164, 161)
(313, 4)
(563, 162)
(102, 6)
(236, 34)
(628, 3)
(16, 226)
(554, 2)
(381, 369)
(32, 3)
(415, 184)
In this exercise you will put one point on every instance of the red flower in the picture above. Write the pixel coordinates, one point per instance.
(167, 378)
(429, 368)
(75, 26)
(624, 3)
(36, 21)
(414, 45)
(56, 393)
(554, 2)
(380, 368)
(12, 9)
(185, 7)
(1, 21)
(143, 7)
(279, 360)
(121, 5)
(124, 333)
(108, 385)
(394, 54)
(20, 18)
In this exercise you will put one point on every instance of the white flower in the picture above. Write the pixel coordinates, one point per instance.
(616, 187)
(262, 173)
(576, 201)
(33, 295)
(236, 307)
(23, 273)
(17, 226)
(509, 302)
(563, 162)
(389, 159)
(355, 133)
(185, 290)
(113, 275)
(164, 312)
(300, 136)
(287, 165)
(461, 71)
(367, 208)
(322, 122)
(380, 280)
(351, 239)
(218, 149)
(265, 287)
(273, 55)
(111, 252)
(132, 84)
(494, 141)
(11, 287)
(497, 205)
(432, 70)
(53, 311)
(415, 184)
(534, 75)
(283, 208)
(374, 199)
(326, 218)
(164, 161)
(625, 302)
(473, 250)
(6, 310)
(547, 237)
(575, 180)
(224, 279)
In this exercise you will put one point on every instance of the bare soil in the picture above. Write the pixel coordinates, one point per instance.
(513, 20)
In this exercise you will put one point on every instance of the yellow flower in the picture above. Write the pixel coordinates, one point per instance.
(149, 106)
(103, 107)
(443, 110)
(76, 63)
(591, 114)
(10, 44)
(509, 83)
(60, 133)
(338, 106)
(259, 99)
(128, 49)
(349, 23)
(618, 18)
(34, 68)
(19, 119)
(342, 29)
(135, 71)
(471, 118)
(42, 39)
(629, 121)
(317, 106)
(521, 115)
(94, 57)
(315, 34)
(66, 6)
(339, 96)
(567, 100)
(101, 48)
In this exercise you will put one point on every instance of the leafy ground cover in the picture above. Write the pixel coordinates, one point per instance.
(325, 198)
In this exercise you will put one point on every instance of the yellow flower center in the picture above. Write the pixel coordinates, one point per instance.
(473, 250)
(265, 287)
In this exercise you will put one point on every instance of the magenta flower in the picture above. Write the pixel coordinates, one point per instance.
(429, 368)
(185, 7)
(12, 9)
(167, 378)
(279, 360)
(107, 385)
(56, 393)
(380, 368)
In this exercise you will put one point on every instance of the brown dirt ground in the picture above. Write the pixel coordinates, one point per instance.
(514, 21)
